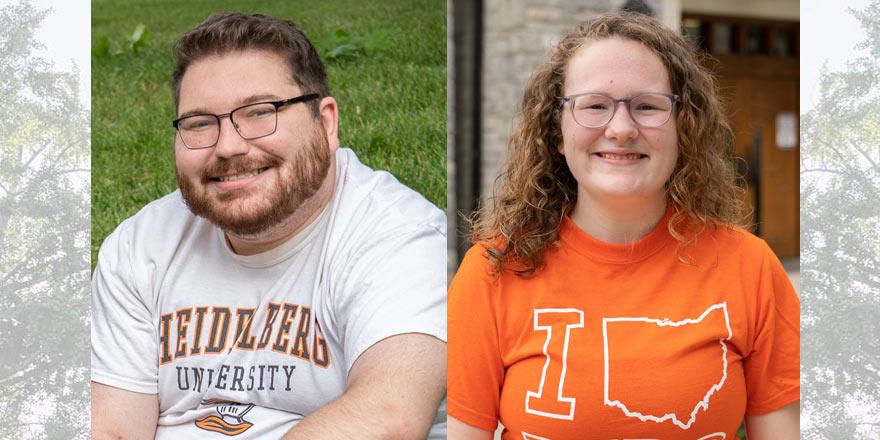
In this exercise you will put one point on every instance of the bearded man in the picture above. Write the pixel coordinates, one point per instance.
(286, 290)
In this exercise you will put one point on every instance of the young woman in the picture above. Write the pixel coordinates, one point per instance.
(609, 293)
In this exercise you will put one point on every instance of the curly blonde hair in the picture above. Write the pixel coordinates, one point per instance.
(536, 189)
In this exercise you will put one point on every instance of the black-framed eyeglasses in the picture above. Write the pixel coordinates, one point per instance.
(594, 110)
(251, 121)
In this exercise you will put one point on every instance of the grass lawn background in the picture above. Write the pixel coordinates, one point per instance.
(392, 99)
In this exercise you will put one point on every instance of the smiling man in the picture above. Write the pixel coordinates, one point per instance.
(286, 290)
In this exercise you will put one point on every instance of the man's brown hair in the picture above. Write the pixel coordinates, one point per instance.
(233, 32)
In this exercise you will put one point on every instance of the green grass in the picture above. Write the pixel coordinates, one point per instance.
(392, 102)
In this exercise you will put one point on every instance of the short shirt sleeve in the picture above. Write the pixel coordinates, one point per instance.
(396, 286)
(124, 345)
(476, 371)
(772, 369)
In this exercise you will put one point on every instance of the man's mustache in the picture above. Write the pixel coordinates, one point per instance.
(237, 165)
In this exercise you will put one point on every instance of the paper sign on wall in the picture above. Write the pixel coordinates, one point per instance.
(786, 130)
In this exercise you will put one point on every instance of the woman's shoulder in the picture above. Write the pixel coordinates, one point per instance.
(733, 239)
(492, 259)
(478, 262)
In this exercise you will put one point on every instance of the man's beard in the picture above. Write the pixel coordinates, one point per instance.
(297, 180)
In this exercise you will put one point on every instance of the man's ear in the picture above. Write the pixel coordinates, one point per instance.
(329, 114)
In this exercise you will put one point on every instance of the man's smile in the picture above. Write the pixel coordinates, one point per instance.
(238, 176)
(238, 173)
(236, 180)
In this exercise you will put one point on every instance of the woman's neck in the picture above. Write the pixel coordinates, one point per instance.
(618, 221)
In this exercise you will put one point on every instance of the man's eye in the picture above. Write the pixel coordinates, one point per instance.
(198, 124)
(260, 112)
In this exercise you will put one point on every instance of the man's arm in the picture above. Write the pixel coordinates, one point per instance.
(782, 424)
(394, 390)
(121, 414)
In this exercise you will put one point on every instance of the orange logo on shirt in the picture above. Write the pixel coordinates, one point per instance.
(230, 422)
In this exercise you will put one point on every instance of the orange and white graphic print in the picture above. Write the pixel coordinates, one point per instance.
(667, 349)
(230, 419)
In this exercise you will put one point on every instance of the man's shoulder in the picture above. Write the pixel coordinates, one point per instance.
(163, 220)
(166, 210)
(376, 200)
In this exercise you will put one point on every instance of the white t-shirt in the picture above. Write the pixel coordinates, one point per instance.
(248, 345)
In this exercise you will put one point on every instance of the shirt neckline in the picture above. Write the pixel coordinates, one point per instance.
(280, 253)
(591, 247)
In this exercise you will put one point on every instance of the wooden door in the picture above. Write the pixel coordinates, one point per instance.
(757, 65)
(754, 105)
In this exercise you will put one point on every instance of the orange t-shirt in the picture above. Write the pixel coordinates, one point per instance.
(625, 341)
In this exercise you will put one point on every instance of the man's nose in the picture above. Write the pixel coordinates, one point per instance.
(230, 143)
(621, 127)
